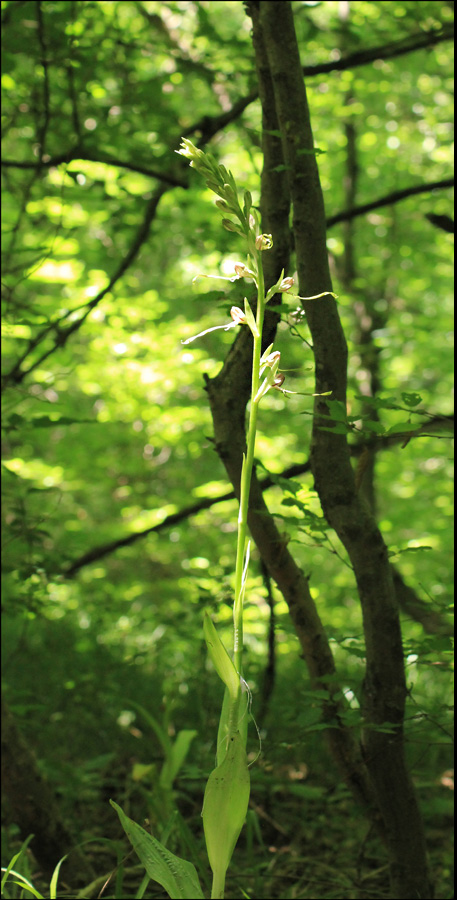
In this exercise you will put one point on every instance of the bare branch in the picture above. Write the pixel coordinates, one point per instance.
(389, 200)
(208, 126)
(79, 152)
(62, 334)
(46, 91)
(445, 223)
(408, 44)
(445, 423)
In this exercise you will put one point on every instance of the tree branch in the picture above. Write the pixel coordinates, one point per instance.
(97, 553)
(409, 44)
(205, 126)
(43, 130)
(85, 154)
(62, 334)
(389, 200)
(208, 126)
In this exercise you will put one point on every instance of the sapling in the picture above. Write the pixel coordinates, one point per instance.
(227, 791)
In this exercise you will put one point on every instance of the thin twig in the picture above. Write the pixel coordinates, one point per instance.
(17, 374)
(42, 131)
(389, 200)
(186, 512)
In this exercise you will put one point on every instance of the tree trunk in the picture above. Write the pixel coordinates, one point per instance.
(228, 395)
(385, 684)
(33, 806)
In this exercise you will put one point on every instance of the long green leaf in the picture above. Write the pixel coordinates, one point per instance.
(177, 876)
(242, 725)
(25, 884)
(220, 658)
(176, 757)
(55, 878)
(14, 860)
(224, 808)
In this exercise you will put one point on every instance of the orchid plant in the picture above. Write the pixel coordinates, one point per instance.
(227, 791)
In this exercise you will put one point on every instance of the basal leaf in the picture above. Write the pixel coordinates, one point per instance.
(177, 876)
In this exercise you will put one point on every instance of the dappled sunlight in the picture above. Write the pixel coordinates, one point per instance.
(134, 594)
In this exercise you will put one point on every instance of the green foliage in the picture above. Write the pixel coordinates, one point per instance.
(176, 875)
(8, 884)
(228, 787)
(224, 808)
(108, 436)
(220, 658)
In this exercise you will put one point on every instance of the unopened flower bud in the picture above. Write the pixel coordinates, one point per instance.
(286, 284)
(238, 315)
(230, 226)
(242, 271)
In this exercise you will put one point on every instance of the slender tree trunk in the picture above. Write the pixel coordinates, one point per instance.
(33, 806)
(228, 394)
(385, 684)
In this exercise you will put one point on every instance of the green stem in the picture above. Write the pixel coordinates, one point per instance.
(246, 473)
(223, 184)
(218, 887)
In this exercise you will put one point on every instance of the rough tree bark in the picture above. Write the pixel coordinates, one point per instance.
(228, 395)
(385, 684)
